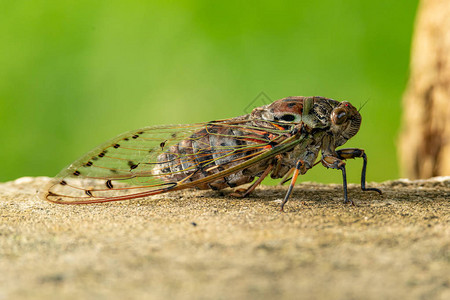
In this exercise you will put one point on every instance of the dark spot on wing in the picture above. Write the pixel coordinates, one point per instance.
(135, 136)
(132, 165)
(62, 182)
(116, 146)
(109, 184)
(76, 173)
(88, 164)
(89, 193)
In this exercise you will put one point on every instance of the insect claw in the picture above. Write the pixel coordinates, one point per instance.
(350, 202)
(373, 190)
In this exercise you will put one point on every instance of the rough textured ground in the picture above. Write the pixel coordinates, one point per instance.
(199, 245)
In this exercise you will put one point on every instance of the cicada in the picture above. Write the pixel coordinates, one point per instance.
(282, 139)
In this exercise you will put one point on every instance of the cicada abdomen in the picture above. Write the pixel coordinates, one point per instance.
(210, 151)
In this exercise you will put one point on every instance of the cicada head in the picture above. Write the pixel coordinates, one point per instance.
(345, 122)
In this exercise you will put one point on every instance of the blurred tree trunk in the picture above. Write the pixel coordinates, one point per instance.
(424, 146)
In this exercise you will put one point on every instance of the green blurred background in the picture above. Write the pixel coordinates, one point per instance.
(74, 74)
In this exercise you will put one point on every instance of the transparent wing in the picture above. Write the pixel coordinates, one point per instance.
(160, 159)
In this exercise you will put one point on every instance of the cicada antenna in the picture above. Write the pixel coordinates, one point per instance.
(361, 106)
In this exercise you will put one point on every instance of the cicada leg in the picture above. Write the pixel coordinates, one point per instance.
(286, 177)
(299, 168)
(242, 193)
(330, 161)
(354, 153)
(333, 162)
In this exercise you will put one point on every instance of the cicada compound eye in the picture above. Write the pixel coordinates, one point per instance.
(339, 116)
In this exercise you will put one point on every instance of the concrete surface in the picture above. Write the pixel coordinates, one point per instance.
(202, 245)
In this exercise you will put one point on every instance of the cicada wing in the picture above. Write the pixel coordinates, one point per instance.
(117, 168)
(140, 163)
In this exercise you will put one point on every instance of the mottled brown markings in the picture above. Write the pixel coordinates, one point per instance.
(291, 104)
(212, 130)
(213, 187)
(231, 185)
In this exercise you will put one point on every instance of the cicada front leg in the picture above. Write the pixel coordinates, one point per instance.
(334, 162)
(354, 153)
